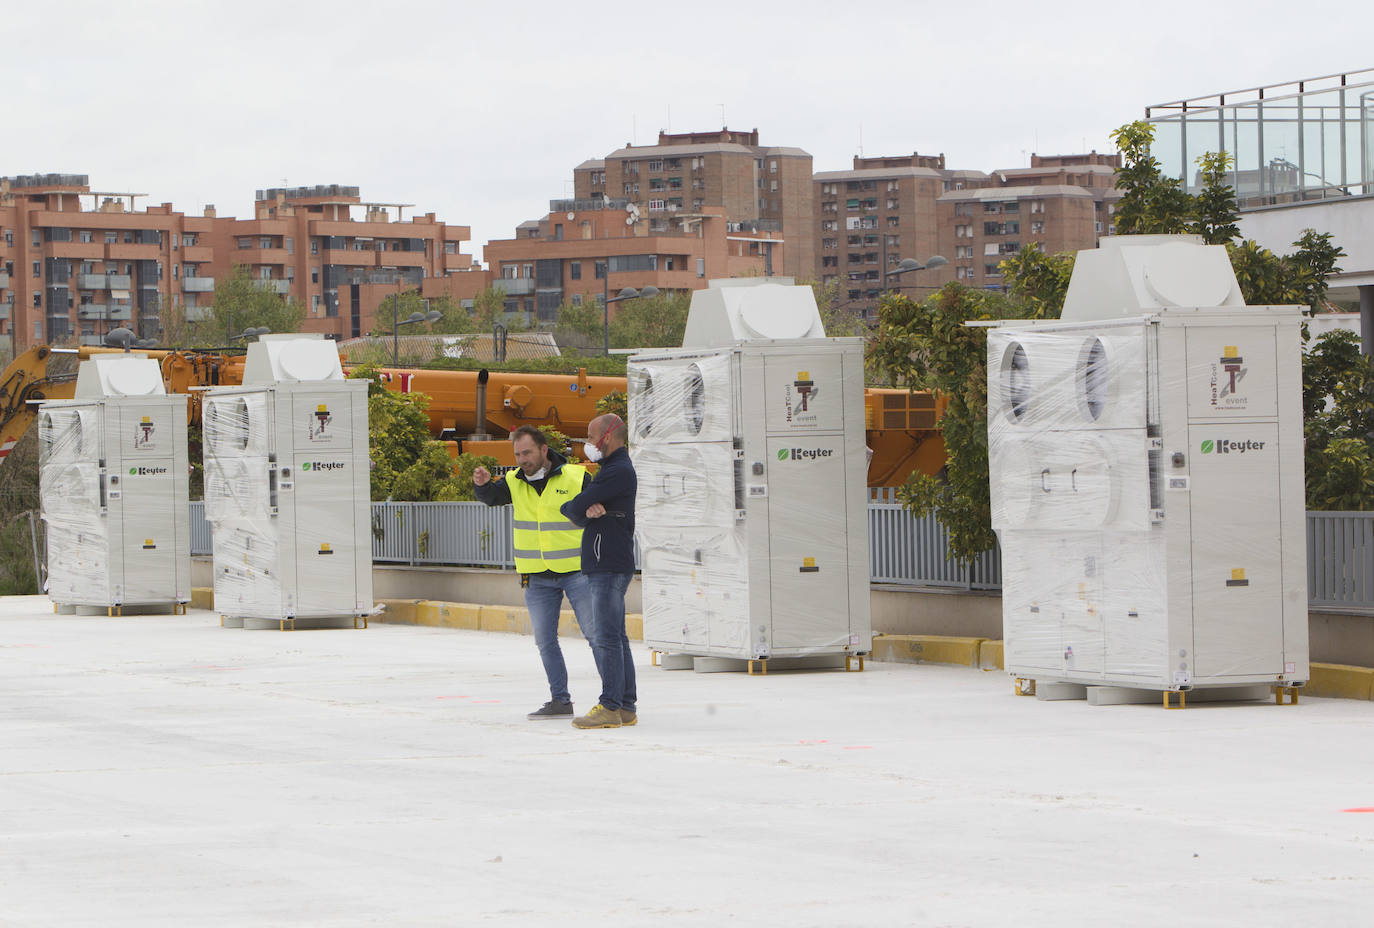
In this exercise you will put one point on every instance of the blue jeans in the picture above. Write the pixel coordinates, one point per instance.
(544, 600)
(610, 645)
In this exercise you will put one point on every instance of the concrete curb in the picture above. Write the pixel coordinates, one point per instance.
(1340, 681)
(927, 649)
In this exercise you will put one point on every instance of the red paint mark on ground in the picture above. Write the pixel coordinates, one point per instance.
(1360, 809)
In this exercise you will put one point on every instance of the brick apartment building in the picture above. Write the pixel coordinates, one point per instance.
(587, 247)
(757, 188)
(76, 262)
(886, 209)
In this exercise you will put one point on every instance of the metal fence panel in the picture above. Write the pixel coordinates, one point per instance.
(902, 548)
(1340, 560)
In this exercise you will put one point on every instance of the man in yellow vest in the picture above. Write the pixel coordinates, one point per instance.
(548, 550)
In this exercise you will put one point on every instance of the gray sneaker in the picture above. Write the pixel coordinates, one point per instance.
(552, 710)
(628, 717)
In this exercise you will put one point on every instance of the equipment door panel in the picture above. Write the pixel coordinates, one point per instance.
(1237, 550)
(325, 535)
(322, 422)
(149, 531)
(808, 551)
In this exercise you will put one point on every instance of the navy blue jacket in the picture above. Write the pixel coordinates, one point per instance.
(608, 542)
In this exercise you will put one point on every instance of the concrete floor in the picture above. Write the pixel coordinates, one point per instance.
(164, 771)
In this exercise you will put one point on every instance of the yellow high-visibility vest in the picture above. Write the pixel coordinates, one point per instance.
(544, 539)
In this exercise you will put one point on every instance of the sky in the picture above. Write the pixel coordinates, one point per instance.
(479, 111)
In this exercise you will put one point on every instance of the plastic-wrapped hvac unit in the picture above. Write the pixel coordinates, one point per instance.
(751, 514)
(287, 490)
(1147, 477)
(113, 481)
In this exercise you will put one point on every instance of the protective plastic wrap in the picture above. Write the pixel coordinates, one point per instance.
(286, 494)
(114, 489)
(1147, 491)
(751, 513)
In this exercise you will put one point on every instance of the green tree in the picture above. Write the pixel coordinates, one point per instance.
(842, 319)
(926, 346)
(1037, 281)
(455, 318)
(397, 428)
(1150, 202)
(579, 326)
(435, 476)
(1267, 279)
(1338, 423)
(241, 302)
(617, 402)
(1216, 209)
(650, 322)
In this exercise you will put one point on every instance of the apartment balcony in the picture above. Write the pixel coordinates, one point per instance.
(83, 250)
(348, 256)
(92, 282)
(103, 311)
(5, 310)
(197, 313)
(198, 284)
(401, 259)
(4, 280)
(276, 256)
(515, 286)
(119, 281)
(276, 285)
(195, 254)
(130, 252)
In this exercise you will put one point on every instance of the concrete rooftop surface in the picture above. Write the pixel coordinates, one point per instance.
(160, 770)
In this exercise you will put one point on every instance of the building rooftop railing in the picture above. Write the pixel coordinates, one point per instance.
(578, 206)
(1269, 91)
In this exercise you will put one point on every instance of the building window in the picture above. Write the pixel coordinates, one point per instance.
(37, 238)
(314, 275)
(655, 205)
(891, 202)
(38, 270)
(315, 304)
(1038, 226)
(772, 167)
(111, 238)
(992, 270)
(599, 270)
(656, 165)
(894, 221)
(701, 267)
(575, 270)
(84, 236)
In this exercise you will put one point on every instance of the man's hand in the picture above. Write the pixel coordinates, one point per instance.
(481, 476)
(595, 511)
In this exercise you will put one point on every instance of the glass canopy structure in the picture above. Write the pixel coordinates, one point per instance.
(1292, 143)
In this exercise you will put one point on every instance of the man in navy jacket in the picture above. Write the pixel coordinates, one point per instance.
(605, 509)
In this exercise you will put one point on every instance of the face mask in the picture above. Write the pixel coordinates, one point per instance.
(537, 475)
(592, 452)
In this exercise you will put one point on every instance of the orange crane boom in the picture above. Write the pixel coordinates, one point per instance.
(475, 410)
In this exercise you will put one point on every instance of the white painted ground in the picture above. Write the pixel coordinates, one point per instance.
(164, 771)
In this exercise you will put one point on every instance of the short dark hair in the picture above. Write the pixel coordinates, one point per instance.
(532, 433)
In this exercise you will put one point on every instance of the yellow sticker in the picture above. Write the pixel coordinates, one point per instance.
(808, 562)
(147, 541)
(324, 547)
(1238, 573)
(1230, 351)
(803, 375)
(147, 418)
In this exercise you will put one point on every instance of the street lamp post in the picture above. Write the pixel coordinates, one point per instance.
(432, 316)
(629, 293)
(907, 265)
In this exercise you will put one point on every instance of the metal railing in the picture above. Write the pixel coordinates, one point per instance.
(1340, 561)
(902, 549)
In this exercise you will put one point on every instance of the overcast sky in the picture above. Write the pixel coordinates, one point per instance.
(478, 111)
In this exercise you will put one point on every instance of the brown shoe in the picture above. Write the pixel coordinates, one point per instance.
(599, 717)
(628, 718)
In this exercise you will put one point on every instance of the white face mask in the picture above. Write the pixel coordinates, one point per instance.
(537, 475)
(592, 452)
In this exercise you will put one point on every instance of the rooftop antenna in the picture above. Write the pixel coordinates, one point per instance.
(861, 140)
(634, 130)
(723, 123)
(670, 119)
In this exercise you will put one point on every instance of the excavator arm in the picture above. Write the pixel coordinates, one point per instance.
(32, 377)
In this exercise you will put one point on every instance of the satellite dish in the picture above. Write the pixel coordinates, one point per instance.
(572, 216)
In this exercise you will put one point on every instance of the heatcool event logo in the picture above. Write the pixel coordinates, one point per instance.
(317, 466)
(1227, 373)
(146, 471)
(804, 454)
(1226, 446)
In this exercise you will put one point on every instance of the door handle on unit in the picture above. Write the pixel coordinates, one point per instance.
(1044, 480)
(104, 494)
(1073, 479)
(272, 489)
